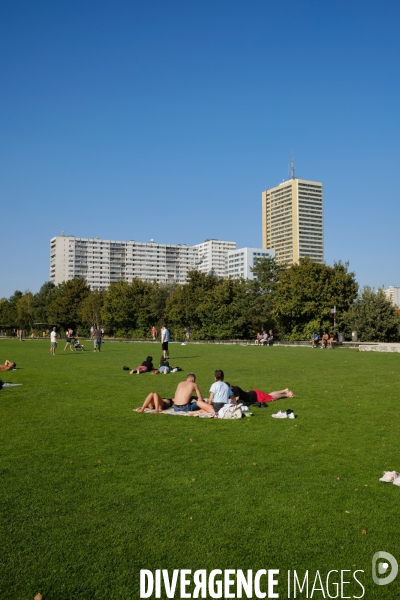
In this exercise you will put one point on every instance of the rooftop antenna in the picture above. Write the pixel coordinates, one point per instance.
(291, 167)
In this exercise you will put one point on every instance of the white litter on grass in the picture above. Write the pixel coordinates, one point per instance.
(183, 344)
(389, 477)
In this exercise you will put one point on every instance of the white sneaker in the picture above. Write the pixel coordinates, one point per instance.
(291, 415)
(397, 481)
(389, 477)
(280, 415)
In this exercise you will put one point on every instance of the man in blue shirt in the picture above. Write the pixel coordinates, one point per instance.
(314, 340)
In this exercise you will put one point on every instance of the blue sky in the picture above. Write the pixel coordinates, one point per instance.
(166, 120)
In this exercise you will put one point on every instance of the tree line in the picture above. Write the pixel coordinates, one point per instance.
(293, 302)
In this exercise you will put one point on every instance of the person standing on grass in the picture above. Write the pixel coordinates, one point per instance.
(164, 341)
(69, 340)
(187, 333)
(97, 340)
(154, 332)
(53, 341)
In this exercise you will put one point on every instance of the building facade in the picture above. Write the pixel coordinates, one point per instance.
(240, 262)
(393, 294)
(292, 221)
(102, 262)
(211, 256)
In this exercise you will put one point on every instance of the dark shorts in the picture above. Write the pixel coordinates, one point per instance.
(164, 345)
(68, 340)
(217, 406)
(186, 407)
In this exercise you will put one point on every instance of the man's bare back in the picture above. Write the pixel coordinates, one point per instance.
(184, 392)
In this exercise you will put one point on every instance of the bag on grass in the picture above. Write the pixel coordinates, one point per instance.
(231, 411)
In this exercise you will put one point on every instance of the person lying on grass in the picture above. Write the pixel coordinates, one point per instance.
(147, 365)
(255, 396)
(164, 367)
(8, 366)
(184, 400)
(156, 403)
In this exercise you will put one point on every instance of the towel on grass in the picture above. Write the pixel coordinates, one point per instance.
(11, 384)
(171, 411)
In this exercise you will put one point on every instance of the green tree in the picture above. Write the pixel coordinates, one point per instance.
(42, 301)
(8, 310)
(306, 293)
(374, 317)
(185, 306)
(64, 309)
(89, 310)
(25, 311)
(153, 306)
(122, 306)
(262, 293)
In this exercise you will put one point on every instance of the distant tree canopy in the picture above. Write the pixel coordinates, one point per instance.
(306, 294)
(293, 302)
(374, 317)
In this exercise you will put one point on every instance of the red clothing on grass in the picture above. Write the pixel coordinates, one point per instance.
(263, 397)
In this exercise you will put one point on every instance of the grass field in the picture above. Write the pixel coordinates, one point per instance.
(92, 492)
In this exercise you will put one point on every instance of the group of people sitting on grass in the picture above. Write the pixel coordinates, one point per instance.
(188, 397)
(326, 340)
(266, 339)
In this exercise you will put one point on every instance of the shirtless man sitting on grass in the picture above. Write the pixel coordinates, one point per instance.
(184, 401)
(8, 366)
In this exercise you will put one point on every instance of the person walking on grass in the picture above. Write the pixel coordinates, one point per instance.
(53, 342)
(164, 341)
(97, 340)
(69, 340)
(154, 332)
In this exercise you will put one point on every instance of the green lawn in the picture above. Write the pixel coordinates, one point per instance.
(92, 492)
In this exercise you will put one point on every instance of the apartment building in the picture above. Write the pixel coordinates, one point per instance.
(393, 294)
(211, 256)
(292, 220)
(240, 262)
(102, 262)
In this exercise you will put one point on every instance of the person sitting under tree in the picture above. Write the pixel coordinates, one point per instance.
(314, 340)
(324, 340)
